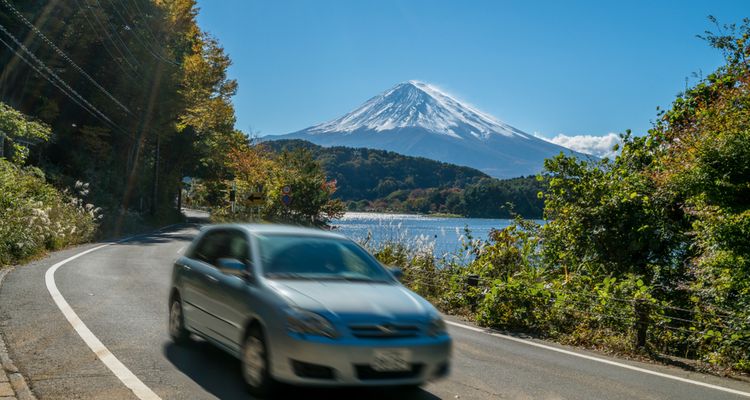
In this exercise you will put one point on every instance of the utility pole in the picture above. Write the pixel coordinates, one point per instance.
(155, 194)
(179, 197)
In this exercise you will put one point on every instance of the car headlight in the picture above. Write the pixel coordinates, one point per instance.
(436, 327)
(305, 322)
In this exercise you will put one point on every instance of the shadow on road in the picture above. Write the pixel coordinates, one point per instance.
(159, 238)
(219, 374)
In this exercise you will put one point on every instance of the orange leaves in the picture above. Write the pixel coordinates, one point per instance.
(251, 164)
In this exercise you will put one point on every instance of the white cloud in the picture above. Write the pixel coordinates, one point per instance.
(600, 146)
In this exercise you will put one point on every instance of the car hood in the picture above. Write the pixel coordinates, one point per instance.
(355, 301)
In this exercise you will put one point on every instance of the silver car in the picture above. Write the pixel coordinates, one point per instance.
(304, 306)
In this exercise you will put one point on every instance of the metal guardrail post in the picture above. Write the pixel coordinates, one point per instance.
(641, 310)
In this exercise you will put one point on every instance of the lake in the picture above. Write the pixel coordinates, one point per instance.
(444, 234)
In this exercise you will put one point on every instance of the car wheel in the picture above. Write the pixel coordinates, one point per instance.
(255, 367)
(177, 330)
(410, 388)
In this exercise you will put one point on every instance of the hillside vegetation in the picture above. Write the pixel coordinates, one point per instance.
(378, 180)
(35, 216)
(123, 101)
(648, 253)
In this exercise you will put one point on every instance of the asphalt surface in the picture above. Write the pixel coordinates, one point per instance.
(120, 293)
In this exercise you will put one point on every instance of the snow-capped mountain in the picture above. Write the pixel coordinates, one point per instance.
(418, 119)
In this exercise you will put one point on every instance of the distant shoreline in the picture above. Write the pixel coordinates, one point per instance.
(401, 214)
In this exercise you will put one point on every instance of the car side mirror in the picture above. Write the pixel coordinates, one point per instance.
(397, 272)
(233, 266)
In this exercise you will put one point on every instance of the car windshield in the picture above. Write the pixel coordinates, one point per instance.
(307, 257)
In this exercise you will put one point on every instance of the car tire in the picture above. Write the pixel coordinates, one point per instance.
(409, 388)
(255, 366)
(177, 330)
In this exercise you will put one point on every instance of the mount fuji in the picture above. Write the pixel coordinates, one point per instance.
(417, 119)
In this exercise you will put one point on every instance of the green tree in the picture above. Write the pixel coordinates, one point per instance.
(15, 127)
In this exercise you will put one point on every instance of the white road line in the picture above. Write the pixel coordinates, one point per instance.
(122, 372)
(601, 360)
(181, 249)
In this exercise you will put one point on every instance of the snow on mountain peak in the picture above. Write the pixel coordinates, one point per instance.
(415, 104)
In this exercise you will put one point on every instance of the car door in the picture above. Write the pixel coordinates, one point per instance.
(201, 283)
(234, 290)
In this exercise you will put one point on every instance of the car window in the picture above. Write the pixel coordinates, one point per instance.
(208, 249)
(222, 244)
(237, 246)
(309, 257)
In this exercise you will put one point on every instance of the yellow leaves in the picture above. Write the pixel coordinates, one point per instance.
(252, 165)
(206, 90)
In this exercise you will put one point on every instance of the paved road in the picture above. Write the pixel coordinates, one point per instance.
(120, 293)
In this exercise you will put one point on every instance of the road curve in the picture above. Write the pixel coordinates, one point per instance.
(120, 293)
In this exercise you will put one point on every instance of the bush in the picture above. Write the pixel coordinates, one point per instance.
(503, 283)
(36, 217)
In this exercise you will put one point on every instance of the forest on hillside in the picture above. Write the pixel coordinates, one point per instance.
(379, 180)
(135, 94)
(106, 108)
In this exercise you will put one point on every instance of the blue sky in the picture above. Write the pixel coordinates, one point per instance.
(545, 67)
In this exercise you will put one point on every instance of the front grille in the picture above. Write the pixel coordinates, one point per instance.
(314, 371)
(366, 373)
(384, 331)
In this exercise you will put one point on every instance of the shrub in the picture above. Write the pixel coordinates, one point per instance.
(36, 217)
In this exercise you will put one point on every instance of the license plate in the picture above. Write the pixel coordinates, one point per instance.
(392, 360)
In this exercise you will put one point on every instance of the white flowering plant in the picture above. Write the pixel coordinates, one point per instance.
(36, 217)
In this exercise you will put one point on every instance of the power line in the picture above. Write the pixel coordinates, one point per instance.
(64, 56)
(147, 44)
(106, 32)
(143, 17)
(55, 84)
(119, 38)
(128, 72)
(52, 73)
(60, 84)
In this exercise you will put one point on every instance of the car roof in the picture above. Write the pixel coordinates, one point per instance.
(277, 229)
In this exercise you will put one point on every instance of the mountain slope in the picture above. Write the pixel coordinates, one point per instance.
(378, 180)
(417, 119)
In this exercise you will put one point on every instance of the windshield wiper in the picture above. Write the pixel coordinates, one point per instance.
(322, 277)
(357, 278)
(288, 275)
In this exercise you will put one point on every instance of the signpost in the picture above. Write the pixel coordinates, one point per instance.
(233, 195)
(286, 195)
(256, 197)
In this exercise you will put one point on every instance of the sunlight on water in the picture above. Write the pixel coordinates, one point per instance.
(429, 234)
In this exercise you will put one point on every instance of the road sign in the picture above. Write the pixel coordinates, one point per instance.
(286, 199)
(255, 199)
(286, 189)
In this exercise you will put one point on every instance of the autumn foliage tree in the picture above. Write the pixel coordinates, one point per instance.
(671, 212)
(310, 194)
(147, 100)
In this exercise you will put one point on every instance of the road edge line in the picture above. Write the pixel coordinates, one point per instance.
(597, 359)
(125, 375)
(17, 381)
